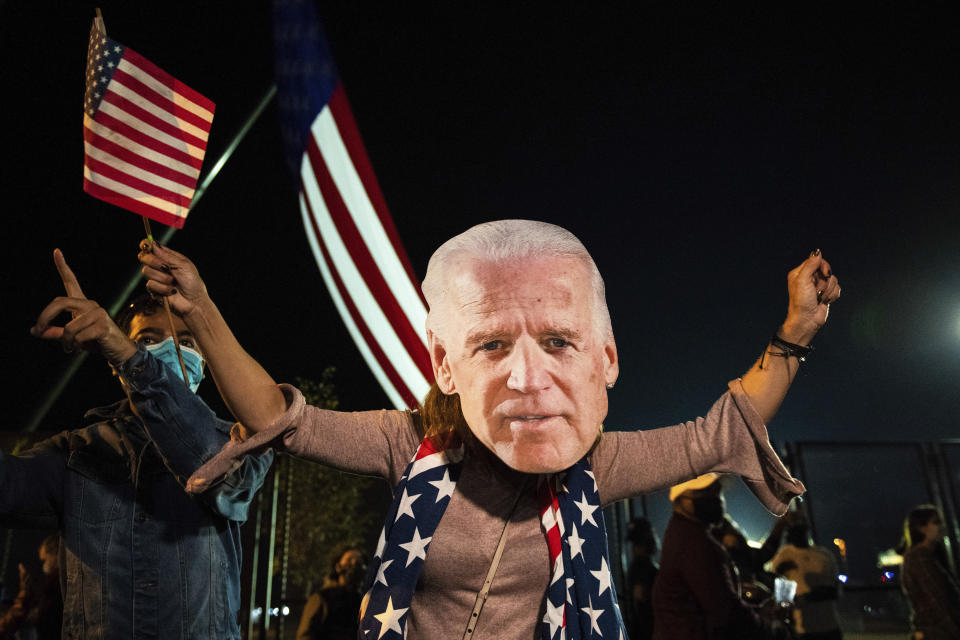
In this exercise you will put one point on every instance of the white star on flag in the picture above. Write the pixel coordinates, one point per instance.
(416, 548)
(592, 477)
(381, 571)
(586, 509)
(381, 545)
(390, 619)
(444, 486)
(594, 614)
(557, 569)
(406, 505)
(554, 617)
(570, 582)
(576, 542)
(603, 575)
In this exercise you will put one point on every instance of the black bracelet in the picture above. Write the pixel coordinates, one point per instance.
(789, 349)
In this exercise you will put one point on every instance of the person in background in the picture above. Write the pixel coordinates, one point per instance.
(38, 606)
(814, 570)
(697, 595)
(927, 581)
(757, 583)
(333, 612)
(641, 576)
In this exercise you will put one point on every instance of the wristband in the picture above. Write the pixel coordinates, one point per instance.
(789, 349)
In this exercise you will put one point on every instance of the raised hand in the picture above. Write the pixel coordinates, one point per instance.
(91, 328)
(173, 275)
(250, 393)
(812, 288)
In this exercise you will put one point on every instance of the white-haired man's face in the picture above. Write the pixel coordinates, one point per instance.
(521, 347)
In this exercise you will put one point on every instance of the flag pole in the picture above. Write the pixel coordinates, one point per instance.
(128, 290)
(166, 305)
(146, 226)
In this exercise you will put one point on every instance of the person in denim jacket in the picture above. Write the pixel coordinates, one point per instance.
(140, 558)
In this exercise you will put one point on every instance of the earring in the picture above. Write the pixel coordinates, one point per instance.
(610, 386)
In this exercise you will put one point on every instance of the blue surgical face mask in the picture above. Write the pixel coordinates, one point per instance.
(166, 352)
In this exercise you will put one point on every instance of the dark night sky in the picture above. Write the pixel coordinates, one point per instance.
(700, 152)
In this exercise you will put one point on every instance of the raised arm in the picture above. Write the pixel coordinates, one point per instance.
(732, 437)
(187, 434)
(812, 288)
(248, 390)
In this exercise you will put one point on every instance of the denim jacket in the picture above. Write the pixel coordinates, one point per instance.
(140, 558)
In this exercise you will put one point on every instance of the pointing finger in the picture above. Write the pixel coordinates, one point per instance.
(66, 274)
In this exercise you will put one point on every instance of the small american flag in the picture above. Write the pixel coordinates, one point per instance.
(144, 132)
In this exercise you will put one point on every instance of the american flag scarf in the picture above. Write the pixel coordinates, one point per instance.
(581, 601)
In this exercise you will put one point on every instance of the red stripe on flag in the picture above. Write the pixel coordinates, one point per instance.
(365, 263)
(137, 160)
(158, 123)
(153, 144)
(428, 447)
(165, 78)
(161, 101)
(107, 195)
(340, 108)
(548, 500)
(372, 343)
(438, 443)
(148, 188)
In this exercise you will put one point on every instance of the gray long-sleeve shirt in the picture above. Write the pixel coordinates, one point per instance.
(730, 439)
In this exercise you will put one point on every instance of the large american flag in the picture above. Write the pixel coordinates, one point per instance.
(347, 222)
(144, 132)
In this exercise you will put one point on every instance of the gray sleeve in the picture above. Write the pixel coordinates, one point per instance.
(375, 443)
(732, 438)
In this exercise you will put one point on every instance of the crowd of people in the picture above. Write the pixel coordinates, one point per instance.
(499, 478)
(711, 583)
